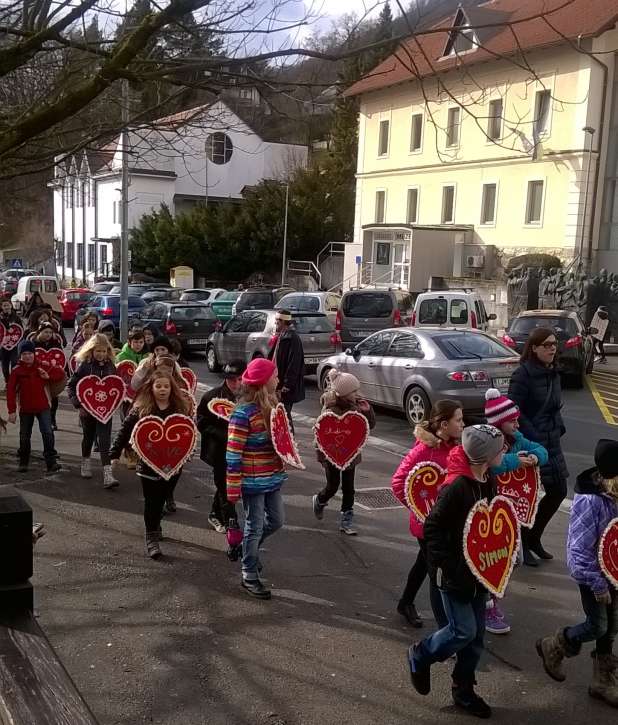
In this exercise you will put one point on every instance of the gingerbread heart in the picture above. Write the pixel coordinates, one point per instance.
(341, 437)
(221, 407)
(283, 438)
(422, 487)
(490, 542)
(125, 369)
(192, 402)
(190, 378)
(164, 445)
(522, 487)
(73, 363)
(101, 397)
(608, 552)
(12, 336)
(54, 357)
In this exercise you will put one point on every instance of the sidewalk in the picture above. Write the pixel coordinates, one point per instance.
(177, 642)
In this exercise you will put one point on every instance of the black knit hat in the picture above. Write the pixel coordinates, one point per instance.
(234, 369)
(26, 346)
(162, 341)
(606, 458)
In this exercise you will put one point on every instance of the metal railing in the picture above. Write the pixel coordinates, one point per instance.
(305, 267)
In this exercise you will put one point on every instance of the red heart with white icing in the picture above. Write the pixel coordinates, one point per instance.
(341, 437)
(73, 363)
(221, 407)
(422, 487)
(190, 378)
(608, 552)
(522, 486)
(12, 336)
(283, 439)
(54, 357)
(125, 369)
(490, 541)
(101, 397)
(164, 445)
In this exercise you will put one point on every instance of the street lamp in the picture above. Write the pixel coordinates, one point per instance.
(588, 130)
(285, 233)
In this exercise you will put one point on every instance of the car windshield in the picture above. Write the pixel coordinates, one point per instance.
(433, 312)
(467, 346)
(300, 303)
(228, 297)
(192, 313)
(368, 304)
(562, 326)
(255, 301)
(191, 296)
(312, 324)
(78, 296)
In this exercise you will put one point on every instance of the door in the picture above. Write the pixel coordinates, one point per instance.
(401, 264)
(404, 355)
(256, 341)
(231, 340)
(368, 364)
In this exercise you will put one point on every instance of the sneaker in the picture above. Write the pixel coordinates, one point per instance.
(420, 676)
(256, 589)
(346, 525)
(86, 468)
(170, 506)
(318, 508)
(153, 550)
(216, 524)
(54, 467)
(466, 699)
(409, 613)
(108, 478)
(494, 622)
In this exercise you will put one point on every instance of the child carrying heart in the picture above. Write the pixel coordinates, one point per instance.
(95, 358)
(463, 596)
(592, 558)
(160, 397)
(8, 356)
(47, 339)
(134, 350)
(342, 395)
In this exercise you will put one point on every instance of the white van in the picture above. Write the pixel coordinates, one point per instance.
(47, 287)
(460, 309)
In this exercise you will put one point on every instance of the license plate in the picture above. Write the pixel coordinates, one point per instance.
(197, 341)
(358, 333)
(312, 360)
(502, 383)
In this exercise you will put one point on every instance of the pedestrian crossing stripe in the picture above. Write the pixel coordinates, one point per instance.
(604, 399)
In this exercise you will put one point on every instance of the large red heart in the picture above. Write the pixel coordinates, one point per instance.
(608, 552)
(190, 378)
(490, 542)
(522, 486)
(422, 487)
(283, 439)
(101, 397)
(341, 437)
(73, 363)
(54, 357)
(221, 407)
(164, 445)
(125, 369)
(12, 336)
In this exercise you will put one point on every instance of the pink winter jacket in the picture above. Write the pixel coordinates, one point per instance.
(428, 447)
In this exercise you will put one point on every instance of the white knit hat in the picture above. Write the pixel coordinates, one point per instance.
(498, 408)
(343, 384)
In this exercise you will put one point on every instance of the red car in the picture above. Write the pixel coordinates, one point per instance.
(72, 300)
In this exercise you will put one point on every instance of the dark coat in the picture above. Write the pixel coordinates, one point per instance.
(213, 428)
(88, 367)
(541, 421)
(289, 357)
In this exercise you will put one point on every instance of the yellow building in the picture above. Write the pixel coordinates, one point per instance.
(487, 138)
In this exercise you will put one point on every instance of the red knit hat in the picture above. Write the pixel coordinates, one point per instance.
(498, 408)
(259, 372)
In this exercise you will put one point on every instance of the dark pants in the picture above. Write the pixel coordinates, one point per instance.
(288, 410)
(334, 479)
(101, 432)
(156, 492)
(221, 508)
(9, 360)
(26, 423)
(416, 577)
(600, 348)
(54, 410)
(555, 493)
(600, 625)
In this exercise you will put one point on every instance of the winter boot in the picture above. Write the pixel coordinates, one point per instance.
(552, 650)
(318, 508)
(23, 466)
(170, 505)
(346, 525)
(465, 698)
(86, 469)
(604, 685)
(153, 550)
(108, 478)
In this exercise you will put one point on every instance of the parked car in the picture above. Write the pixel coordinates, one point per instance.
(364, 311)
(461, 309)
(323, 303)
(248, 335)
(169, 294)
(102, 288)
(72, 300)
(575, 343)
(223, 305)
(191, 322)
(46, 286)
(9, 280)
(107, 307)
(140, 288)
(409, 369)
(204, 296)
(260, 298)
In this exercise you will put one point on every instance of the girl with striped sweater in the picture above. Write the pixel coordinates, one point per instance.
(254, 470)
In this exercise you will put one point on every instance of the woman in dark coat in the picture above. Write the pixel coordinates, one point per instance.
(535, 387)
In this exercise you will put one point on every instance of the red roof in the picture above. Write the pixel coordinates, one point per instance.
(502, 28)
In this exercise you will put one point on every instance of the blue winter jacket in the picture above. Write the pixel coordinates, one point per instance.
(511, 461)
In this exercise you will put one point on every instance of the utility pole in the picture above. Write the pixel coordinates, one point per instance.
(589, 131)
(285, 233)
(124, 234)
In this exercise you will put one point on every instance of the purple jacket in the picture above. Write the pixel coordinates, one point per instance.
(591, 512)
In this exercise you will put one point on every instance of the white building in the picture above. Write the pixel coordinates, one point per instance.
(204, 155)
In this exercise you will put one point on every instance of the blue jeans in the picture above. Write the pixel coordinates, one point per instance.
(263, 516)
(26, 423)
(462, 636)
(600, 625)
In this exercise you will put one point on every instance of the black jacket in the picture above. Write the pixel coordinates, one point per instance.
(443, 533)
(213, 428)
(536, 390)
(289, 357)
(88, 367)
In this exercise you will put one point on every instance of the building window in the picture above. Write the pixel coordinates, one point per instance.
(448, 205)
(380, 206)
(462, 38)
(219, 148)
(452, 128)
(80, 256)
(488, 204)
(383, 254)
(416, 133)
(534, 203)
(412, 207)
(542, 106)
(92, 257)
(116, 215)
(69, 254)
(103, 253)
(494, 121)
(383, 140)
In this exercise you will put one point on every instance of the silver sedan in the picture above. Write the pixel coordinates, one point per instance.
(409, 369)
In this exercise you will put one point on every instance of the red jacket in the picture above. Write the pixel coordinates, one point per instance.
(26, 383)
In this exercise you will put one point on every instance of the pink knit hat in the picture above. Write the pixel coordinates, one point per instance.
(259, 372)
(498, 408)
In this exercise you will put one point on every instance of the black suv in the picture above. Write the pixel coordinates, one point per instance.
(260, 298)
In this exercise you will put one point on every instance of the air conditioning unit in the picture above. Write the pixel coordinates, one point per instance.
(475, 261)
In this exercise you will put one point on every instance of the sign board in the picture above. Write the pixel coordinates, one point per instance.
(181, 277)
(359, 260)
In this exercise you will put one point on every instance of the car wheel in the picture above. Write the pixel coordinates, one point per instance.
(257, 356)
(417, 405)
(324, 379)
(211, 360)
(590, 366)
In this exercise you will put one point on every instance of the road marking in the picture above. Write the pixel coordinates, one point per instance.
(599, 398)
